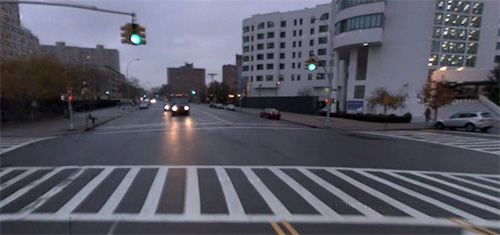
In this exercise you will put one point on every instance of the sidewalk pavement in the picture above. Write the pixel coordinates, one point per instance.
(317, 121)
(60, 126)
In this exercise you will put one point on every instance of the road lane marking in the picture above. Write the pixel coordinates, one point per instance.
(209, 128)
(474, 183)
(233, 201)
(120, 191)
(389, 200)
(423, 197)
(277, 228)
(17, 178)
(28, 187)
(289, 227)
(64, 211)
(214, 116)
(472, 227)
(153, 198)
(487, 180)
(272, 201)
(192, 197)
(10, 146)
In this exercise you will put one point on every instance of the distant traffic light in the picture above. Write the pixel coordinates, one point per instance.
(193, 92)
(133, 34)
(311, 64)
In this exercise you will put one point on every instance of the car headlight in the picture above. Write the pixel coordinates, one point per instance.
(167, 107)
(186, 108)
(174, 108)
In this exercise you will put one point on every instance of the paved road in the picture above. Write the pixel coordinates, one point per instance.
(218, 171)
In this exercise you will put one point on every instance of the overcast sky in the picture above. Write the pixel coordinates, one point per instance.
(204, 32)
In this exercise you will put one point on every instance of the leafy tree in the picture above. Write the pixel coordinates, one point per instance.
(222, 91)
(386, 99)
(436, 94)
(493, 87)
(33, 78)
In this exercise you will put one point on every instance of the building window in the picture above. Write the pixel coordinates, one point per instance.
(435, 46)
(270, 35)
(269, 66)
(301, 21)
(298, 77)
(300, 43)
(251, 78)
(453, 47)
(282, 55)
(498, 46)
(261, 26)
(260, 67)
(497, 59)
(300, 32)
(343, 4)
(270, 56)
(260, 36)
(282, 66)
(295, 33)
(295, 22)
(471, 61)
(433, 60)
(322, 51)
(458, 33)
(246, 39)
(299, 65)
(313, 19)
(283, 23)
(311, 53)
(300, 54)
(322, 40)
(324, 17)
(359, 92)
(311, 31)
(293, 65)
(245, 49)
(477, 8)
(252, 28)
(437, 32)
(323, 28)
(281, 77)
(270, 45)
(260, 56)
(438, 18)
(282, 45)
(245, 68)
(472, 47)
(246, 29)
(246, 58)
(293, 55)
(359, 22)
(309, 77)
(260, 46)
(269, 77)
(451, 60)
(322, 63)
(311, 42)
(259, 78)
(270, 24)
(294, 44)
(283, 34)
(320, 76)
(293, 77)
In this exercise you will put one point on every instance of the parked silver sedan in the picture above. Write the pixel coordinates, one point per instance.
(468, 120)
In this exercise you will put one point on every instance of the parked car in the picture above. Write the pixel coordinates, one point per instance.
(219, 106)
(270, 113)
(211, 105)
(468, 120)
(230, 107)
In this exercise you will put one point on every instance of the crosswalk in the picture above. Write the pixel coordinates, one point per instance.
(8, 144)
(483, 145)
(248, 194)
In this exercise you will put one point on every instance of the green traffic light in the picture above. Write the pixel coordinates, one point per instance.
(135, 39)
(311, 67)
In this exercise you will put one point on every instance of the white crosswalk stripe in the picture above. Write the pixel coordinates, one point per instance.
(483, 145)
(483, 199)
(8, 144)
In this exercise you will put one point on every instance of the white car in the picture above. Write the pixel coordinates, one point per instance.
(468, 120)
(230, 107)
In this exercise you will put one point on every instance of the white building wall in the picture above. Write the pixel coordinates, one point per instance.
(287, 87)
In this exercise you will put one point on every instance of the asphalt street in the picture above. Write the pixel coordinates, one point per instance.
(219, 171)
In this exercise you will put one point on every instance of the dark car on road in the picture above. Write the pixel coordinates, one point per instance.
(270, 113)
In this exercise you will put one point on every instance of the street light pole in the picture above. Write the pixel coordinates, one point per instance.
(277, 84)
(126, 75)
(212, 75)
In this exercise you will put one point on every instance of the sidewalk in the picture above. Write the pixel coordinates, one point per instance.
(60, 126)
(341, 123)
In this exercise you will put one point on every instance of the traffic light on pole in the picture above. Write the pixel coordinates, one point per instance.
(311, 64)
(193, 92)
(133, 34)
(126, 33)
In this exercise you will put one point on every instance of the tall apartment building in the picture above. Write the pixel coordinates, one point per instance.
(186, 78)
(376, 43)
(275, 47)
(230, 76)
(93, 57)
(15, 40)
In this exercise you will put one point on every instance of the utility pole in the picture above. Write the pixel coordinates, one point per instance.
(212, 75)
